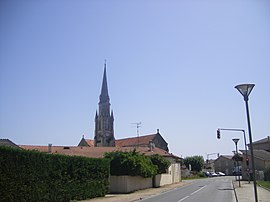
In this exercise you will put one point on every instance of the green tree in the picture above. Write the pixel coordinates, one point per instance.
(162, 163)
(237, 157)
(196, 162)
(131, 163)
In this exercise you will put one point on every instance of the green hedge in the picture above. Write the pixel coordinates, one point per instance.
(161, 163)
(131, 163)
(35, 176)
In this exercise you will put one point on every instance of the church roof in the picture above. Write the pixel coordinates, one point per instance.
(95, 152)
(141, 140)
(128, 142)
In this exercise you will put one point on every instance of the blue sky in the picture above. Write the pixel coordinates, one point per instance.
(171, 65)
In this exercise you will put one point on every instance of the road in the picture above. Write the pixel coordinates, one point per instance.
(206, 190)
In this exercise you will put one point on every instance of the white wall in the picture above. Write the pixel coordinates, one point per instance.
(127, 184)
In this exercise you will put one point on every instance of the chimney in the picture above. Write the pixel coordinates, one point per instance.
(151, 146)
(50, 148)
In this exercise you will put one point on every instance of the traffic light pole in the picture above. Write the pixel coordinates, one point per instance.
(239, 130)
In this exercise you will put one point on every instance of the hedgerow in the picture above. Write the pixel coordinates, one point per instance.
(135, 164)
(35, 176)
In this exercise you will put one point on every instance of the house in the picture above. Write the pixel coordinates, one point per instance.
(261, 152)
(225, 164)
(8, 143)
(261, 162)
(263, 144)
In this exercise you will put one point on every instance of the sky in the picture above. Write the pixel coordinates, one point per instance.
(171, 65)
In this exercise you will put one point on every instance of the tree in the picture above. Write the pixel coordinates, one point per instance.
(162, 163)
(196, 162)
(237, 157)
(131, 163)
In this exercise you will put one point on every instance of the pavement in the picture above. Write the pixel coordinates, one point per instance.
(245, 193)
(137, 195)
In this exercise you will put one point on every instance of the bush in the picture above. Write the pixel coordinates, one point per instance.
(196, 162)
(130, 163)
(267, 174)
(35, 176)
(161, 163)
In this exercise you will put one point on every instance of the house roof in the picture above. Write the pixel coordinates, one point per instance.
(95, 152)
(229, 157)
(264, 140)
(7, 142)
(90, 142)
(261, 154)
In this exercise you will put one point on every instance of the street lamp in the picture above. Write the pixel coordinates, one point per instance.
(236, 155)
(230, 129)
(245, 90)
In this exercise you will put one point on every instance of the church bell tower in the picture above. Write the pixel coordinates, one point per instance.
(104, 130)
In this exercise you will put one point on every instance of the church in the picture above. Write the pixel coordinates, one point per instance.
(104, 127)
(104, 141)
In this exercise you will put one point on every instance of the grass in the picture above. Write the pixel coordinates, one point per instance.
(264, 184)
(193, 177)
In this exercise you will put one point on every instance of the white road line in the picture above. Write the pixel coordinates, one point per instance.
(198, 190)
(183, 199)
(192, 193)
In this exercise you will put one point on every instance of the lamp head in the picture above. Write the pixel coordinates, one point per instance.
(235, 140)
(245, 90)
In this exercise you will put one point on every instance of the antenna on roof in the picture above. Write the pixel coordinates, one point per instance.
(138, 125)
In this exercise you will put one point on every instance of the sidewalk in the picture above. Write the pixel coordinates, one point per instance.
(136, 196)
(245, 193)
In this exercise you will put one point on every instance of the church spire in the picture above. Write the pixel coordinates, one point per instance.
(104, 96)
(104, 130)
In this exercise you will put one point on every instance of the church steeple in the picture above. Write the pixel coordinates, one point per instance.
(104, 95)
(104, 130)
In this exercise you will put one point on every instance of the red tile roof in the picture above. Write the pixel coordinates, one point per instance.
(142, 140)
(95, 152)
(90, 142)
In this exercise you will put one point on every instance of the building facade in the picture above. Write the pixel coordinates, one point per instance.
(225, 164)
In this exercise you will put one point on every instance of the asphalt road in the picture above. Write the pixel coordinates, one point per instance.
(204, 190)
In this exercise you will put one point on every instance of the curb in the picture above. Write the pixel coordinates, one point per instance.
(234, 192)
(263, 187)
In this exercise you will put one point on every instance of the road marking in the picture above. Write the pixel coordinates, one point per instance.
(198, 190)
(183, 199)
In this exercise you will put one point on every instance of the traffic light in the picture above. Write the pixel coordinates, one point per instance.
(247, 161)
(218, 134)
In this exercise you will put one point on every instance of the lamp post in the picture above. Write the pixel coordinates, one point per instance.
(240, 130)
(245, 90)
(235, 140)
